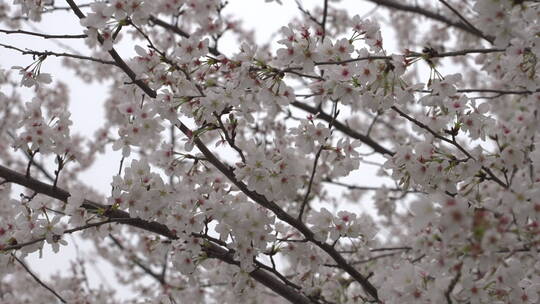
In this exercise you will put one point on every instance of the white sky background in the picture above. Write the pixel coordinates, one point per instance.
(86, 100)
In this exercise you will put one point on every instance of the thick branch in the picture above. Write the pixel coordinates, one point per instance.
(260, 275)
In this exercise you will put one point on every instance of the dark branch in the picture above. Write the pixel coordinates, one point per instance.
(179, 32)
(158, 277)
(280, 213)
(416, 55)
(429, 14)
(343, 128)
(38, 280)
(47, 53)
(119, 61)
(453, 142)
(473, 28)
(325, 15)
(45, 36)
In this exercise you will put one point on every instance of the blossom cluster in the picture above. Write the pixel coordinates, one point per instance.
(38, 134)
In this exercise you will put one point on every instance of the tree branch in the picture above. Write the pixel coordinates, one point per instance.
(41, 239)
(119, 61)
(325, 15)
(343, 128)
(280, 213)
(38, 280)
(429, 14)
(473, 28)
(179, 32)
(452, 142)
(260, 199)
(317, 156)
(135, 260)
(416, 55)
(367, 188)
(47, 53)
(45, 36)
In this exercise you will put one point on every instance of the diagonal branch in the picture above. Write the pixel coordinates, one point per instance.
(119, 61)
(452, 142)
(429, 14)
(279, 212)
(37, 279)
(343, 128)
(460, 16)
(169, 26)
(158, 277)
(307, 13)
(228, 172)
(179, 32)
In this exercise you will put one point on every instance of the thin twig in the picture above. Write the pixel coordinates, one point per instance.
(460, 16)
(37, 279)
(68, 231)
(48, 53)
(416, 55)
(451, 287)
(368, 188)
(373, 123)
(229, 139)
(59, 168)
(452, 142)
(64, 8)
(307, 13)
(45, 36)
(137, 262)
(498, 92)
(30, 161)
(312, 177)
